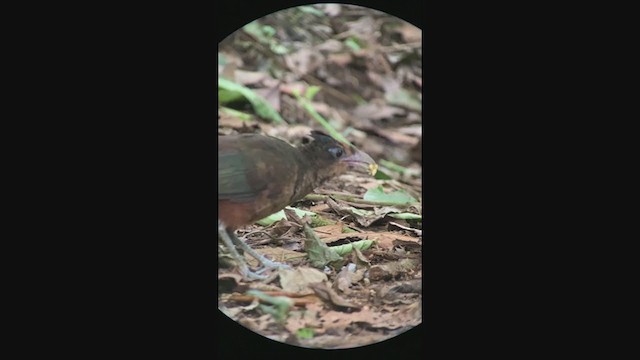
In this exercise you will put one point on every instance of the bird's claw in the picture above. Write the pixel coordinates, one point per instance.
(230, 240)
(250, 275)
(272, 265)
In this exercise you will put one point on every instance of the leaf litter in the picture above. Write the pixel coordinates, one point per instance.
(356, 268)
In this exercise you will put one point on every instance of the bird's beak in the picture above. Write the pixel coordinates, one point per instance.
(360, 159)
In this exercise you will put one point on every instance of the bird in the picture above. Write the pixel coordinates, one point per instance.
(259, 175)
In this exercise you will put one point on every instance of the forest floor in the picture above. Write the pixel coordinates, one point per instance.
(359, 72)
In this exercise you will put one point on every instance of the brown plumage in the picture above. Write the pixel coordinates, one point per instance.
(260, 175)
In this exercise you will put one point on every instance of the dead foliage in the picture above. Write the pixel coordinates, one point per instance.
(362, 72)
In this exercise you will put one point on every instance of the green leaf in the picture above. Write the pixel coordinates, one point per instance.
(318, 252)
(393, 166)
(306, 104)
(265, 35)
(382, 175)
(268, 30)
(352, 44)
(348, 248)
(305, 333)
(260, 105)
(280, 215)
(279, 49)
(280, 308)
(361, 212)
(394, 197)
(227, 96)
(311, 92)
(406, 216)
(311, 10)
(235, 113)
(253, 28)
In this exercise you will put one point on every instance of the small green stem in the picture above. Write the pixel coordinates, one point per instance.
(353, 199)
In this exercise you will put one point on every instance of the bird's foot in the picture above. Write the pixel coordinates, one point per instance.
(271, 265)
(267, 263)
(246, 273)
(250, 275)
(230, 240)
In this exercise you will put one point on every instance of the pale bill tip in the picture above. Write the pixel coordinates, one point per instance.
(373, 168)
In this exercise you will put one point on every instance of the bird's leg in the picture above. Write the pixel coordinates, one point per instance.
(244, 268)
(268, 264)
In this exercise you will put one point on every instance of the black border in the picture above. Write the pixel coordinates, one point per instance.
(120, 140)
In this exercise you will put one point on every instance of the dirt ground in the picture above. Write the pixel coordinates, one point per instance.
(359, 72)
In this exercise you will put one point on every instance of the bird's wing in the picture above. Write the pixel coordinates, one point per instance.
(233, 177)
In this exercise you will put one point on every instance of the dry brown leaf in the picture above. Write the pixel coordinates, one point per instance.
(340, 59)
(332, 9)
(293, 87)
(361, 260)
(396, 136)
(373, 111)
(413, 130)
(304, 61)
(276, 254)
(343, 281)
(363, 28)
(291, 133)
(326, 293)
(319, 208)
(328, 230)
(362, 217)
(409, 245)
(282, 227)
(298, 280)
(271, 95)
(249, 77)
(383, 239)
(308, 318)
(229, 121)
(389, 320)
(331, 46)
(410, 33)
(392, 269)
(259, 324)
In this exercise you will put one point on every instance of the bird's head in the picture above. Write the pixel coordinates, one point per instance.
(332, 157)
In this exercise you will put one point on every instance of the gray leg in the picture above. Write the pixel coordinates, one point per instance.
(269, 264)
(244, 268)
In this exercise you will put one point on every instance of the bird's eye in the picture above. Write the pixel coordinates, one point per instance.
(336, 152)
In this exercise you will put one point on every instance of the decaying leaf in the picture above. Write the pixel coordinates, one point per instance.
(318, 252)
(326, 293)
(361, 260)
(249, 77)
(275, 253)
(343, 280)
(382, 239)
(391, 270)
(373, 111)
(343, 59)
(297, 280)
(363, 217)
